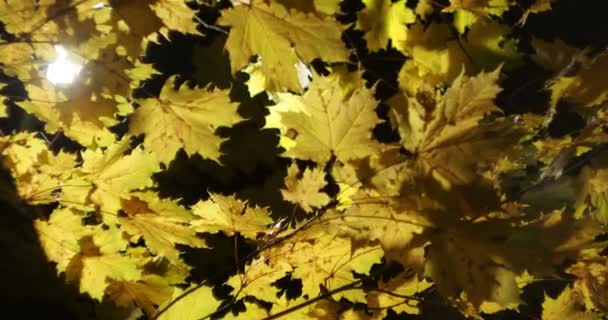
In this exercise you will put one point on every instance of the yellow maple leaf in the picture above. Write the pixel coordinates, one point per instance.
(176, 15)
(162, 224)
(327, 120)
(456, 264)
(305, 191)
(107, 176)
(438, 59)
(252, 311)
(360, 260)
(591, 282)
(396, 294)
(597, 192)
(173, 272)
(325, 309)
(289, 36)
(186, 118)
(480, 7)
(148, 292)
(384, 20)
(38, 173)
(468, 12)
(586, 86)
(229, 215)
(479, 262)
(100, 260)
(444, 133)
(133, 23)
(198, 303)
(16, 58)
(568, 305)
(377, 221)
(328, 262)
(59, 236)
(94, 41)
(258, 276)
(21, 152)
(555, 55)
(83, 110)
(3, 111)
(328, 7)
(24, 16)
(537, 6)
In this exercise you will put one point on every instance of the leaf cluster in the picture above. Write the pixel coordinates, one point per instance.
(338, 189)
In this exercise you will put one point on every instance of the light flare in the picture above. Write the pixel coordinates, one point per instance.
(62, 71)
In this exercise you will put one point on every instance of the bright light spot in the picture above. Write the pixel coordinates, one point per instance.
(62, 71)
(304, 74)
(99, 5)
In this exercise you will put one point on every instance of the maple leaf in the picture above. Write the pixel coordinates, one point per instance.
(568, 305)
(148, 292)
(591, 282)
(597, 192)
(229, 215)
(483, 259)
(444, 133)
(107, 176)
(82, 111)
(537, 6)
(438, 59)
(555, 153)
(252, 311)
(368, 222)
(327, 262)
(3, 111)
(585, 87)
(327, 120)
(174, 272)
(176, 15)
(305, 191)
(197, 304)
(21, 152)
(186, 118)
(100, 260)
(325, 309)
(289, 36)
(394, 294)
(410, 206)
(555, 55)
(59, 236)
(384, 20)
(495, 7)
(38, 173)
(24, 16)
(162, 224)
(329, 7)
(463, 264)
(16, 58)
(257, 279)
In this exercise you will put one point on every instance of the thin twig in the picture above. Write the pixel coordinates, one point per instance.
(323, 296)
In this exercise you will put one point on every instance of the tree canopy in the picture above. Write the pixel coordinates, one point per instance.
(324, 159)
